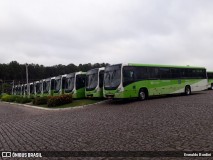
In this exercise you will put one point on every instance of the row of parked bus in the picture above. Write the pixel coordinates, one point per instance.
(77, 84)
(122, 81)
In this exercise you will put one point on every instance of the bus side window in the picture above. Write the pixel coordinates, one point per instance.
(183, 73)
(165, 73)
(191, 73)
(175, 73)
(141, 73)
(128, 75)
(153, 73)
(203, 74)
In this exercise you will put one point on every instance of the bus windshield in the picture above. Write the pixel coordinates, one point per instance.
(57, 85)
(38, 88)
(70, 81)
(46, 86)
(92, 79)
(25, 88)
(112, 77)
(31, 88)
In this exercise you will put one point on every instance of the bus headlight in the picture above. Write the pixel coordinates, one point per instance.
(97, 90)
(120, 89)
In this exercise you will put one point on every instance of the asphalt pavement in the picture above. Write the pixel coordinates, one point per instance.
(168, 123)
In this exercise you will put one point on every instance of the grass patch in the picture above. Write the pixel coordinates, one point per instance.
(75, 103)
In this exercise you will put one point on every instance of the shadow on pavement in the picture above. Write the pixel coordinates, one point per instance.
(126, 101)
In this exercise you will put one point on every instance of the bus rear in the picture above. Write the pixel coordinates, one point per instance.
(210, 80)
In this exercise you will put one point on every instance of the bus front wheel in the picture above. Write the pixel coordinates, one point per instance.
(187, 90)
(142, 95)
(212, 86)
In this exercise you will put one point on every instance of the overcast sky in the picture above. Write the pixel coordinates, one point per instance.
(53, 32)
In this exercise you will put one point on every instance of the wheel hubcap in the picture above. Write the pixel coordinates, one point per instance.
(142, 95)
(187, 91)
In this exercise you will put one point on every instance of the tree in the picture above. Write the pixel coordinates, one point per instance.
(6, 88)
(17, 72)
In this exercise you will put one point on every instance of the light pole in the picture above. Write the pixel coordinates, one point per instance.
(28, 85)
(27, 79)
(13, 88)
(1, 86)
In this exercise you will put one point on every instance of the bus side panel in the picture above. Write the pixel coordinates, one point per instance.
(196, 85)
(38, 95)
(95, 94)
(200, 85)
(158, 87)
(62, 92)
(155, 87)
(52, 92)
(45, 94)
(56, 94)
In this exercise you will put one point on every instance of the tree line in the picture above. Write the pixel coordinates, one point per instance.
(16, 72)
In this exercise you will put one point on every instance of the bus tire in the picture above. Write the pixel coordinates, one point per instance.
(212, 86)
(187, 90)
(142, 95)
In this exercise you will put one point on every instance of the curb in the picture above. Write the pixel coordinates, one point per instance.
(52, 109)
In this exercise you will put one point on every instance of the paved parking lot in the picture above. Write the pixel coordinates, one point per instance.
(169, 123)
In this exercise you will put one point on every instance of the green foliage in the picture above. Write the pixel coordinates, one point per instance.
(54, 101)
(13, 98)
(8, 98)
(6, 88)
(19, 99)
(15, 71)
(32, 97)
(40, 100)
(23, 100)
